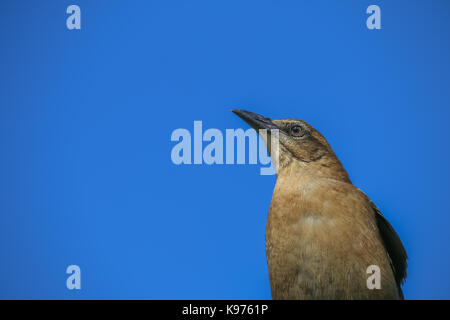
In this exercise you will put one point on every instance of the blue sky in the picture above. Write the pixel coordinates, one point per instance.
(86, 118)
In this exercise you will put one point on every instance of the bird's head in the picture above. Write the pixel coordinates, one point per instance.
(298, 142)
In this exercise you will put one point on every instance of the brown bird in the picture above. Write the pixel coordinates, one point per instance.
(322, 232)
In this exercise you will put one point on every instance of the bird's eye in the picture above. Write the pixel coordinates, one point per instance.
(296, 131)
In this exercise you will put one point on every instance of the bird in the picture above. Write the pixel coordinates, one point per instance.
(322, 232)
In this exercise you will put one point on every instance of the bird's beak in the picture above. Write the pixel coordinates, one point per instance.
(255, 120)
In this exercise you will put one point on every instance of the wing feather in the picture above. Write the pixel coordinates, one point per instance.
(394, 248)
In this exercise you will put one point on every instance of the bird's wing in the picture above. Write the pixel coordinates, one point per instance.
(394, 247)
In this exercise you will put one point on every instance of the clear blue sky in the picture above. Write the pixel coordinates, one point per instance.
(86, 117)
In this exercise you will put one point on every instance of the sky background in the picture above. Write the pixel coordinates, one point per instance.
(86, 117)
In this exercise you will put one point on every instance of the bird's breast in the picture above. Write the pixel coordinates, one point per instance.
(320, 239)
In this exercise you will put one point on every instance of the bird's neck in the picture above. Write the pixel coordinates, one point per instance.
(326, 167)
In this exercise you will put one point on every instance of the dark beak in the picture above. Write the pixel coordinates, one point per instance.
(255, 120)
